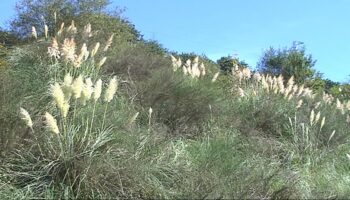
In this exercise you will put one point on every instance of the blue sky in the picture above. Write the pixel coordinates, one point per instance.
(245, 27)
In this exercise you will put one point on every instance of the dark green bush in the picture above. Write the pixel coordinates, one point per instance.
(265, 113)
(178, 101)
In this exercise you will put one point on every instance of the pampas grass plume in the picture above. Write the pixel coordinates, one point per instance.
(66, 87)
(68, 49)
(312, 117)
(241, 92)
(111, 89)
(72, 28)
(46, 30)
(317, 118)
(59, 32)
(299, 104)
(102, 61)
(77, 87)
(87, 31)
(34, 33)
(323, 121)
(331, 136)
(184, 69)
(202, 69)
(87, 89)
(58, 95)
(133, 119)
(95, 49)
(109, 42)
(51, 123)
(216, 75)
(55, 17)
(97, 90)
(26, 118)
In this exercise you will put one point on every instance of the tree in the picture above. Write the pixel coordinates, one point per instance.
(8, 39)
(289, 62)
(39, 12)
(228, 62)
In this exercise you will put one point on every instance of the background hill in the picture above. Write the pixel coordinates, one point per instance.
(90, 109)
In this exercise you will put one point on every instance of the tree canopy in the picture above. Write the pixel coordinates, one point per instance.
(39, 12)
(292, 61)
(226, 63)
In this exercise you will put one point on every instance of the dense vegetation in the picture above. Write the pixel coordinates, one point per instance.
(106, 114)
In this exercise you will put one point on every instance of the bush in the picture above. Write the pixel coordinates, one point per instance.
(135, 63)
(181, 103)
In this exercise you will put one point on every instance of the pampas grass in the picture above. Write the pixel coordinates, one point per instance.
(216, 75)
(102, 61)
(51, 123)
(95, 49)
(87, 90)
(109, 42)
(312, 117)
(97, 90)
(111, 89)
(34, 33)
(323, 121)
(46, 30)
(68, 50)
(26, 118)
(77, 87)
(61, 102)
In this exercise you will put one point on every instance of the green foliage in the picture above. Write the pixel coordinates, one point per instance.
(8, 39)
(227, 63)
(291, 61)
(249, 139)
(340, 91)
(210, 65)
(181, 103)
(135, 63)
(39, 12)
(264, 113)
(317, 83)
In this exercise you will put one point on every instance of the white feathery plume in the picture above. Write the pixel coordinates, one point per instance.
(109, 42)
(46, 30)
(216, 75)
(26, 118)
(59, 32)
(312, 117)
(58, 95)
(202, 69)
(133, 119)
(95, 49)
(54, 50)
(317, 118)
(241, 92)
(323, 121)
(68, 50)
(102, 61)
(300, 102)
(66, 87)
(111, 89)
(51, 123)
(55, 17)
(87, 89)
(184, 69)
(34, 33)
(77, 87)
(97, 90)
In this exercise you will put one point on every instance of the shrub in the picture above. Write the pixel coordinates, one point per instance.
(179, 102)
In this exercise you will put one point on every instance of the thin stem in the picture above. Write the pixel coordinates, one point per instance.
(93, 116)
(75, 106)
(104, 116)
